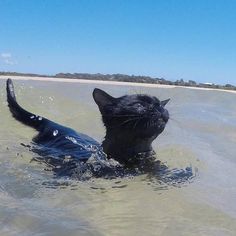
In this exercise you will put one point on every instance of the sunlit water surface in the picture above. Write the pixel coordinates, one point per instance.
(200, 136)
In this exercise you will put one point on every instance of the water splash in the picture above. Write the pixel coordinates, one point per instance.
(162, 177)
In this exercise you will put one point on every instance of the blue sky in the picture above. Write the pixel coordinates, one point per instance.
(173, 39)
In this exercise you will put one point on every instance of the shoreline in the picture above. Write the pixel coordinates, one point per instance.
(106, 82)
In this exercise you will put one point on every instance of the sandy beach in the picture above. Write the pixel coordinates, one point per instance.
(50, 79)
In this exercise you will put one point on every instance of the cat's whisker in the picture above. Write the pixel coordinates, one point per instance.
(125, 122)
(128, 121)
(121, 115)
(174, 113)
(176, 121)
(136, 123)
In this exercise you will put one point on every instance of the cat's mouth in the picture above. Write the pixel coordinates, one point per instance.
(158, 119)
(155, 124)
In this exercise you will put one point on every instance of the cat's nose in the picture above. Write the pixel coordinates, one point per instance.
(165, 115)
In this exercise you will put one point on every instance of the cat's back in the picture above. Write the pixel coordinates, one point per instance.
(62, 141)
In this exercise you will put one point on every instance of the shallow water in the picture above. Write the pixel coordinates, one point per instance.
(200, 135)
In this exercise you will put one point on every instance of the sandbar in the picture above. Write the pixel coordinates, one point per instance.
(106, 82)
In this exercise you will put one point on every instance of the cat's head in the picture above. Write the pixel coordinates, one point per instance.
(139, 116)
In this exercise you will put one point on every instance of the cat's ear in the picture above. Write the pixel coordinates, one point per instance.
(102, 98)
(163, 103)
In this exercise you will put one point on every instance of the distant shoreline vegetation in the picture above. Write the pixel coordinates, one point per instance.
(126, 78)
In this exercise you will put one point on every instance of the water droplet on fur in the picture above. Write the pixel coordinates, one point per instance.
(32, 117)
(40, 118)
(72, 139)
(55, 132)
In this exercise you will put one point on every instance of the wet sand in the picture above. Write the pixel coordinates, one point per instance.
(102, 82)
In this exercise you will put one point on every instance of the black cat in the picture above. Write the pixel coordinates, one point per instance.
(132, 122)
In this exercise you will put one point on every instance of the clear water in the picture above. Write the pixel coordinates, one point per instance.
(201, 134)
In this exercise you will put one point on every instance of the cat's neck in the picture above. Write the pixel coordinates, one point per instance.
(125, 148)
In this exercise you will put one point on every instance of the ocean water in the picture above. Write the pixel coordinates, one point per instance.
(200, 136)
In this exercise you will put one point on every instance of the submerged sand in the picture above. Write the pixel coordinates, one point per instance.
(84, 81)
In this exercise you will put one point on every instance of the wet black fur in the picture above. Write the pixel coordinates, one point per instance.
(132, 123)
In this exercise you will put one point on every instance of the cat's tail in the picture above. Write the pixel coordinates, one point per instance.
(19, 113)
